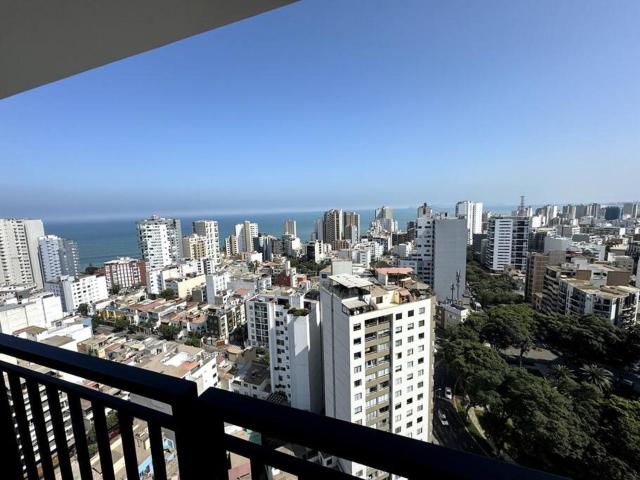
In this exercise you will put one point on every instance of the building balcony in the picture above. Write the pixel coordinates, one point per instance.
(188, 434)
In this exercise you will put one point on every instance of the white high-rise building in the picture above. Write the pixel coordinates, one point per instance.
(507, 243)
(58, 257)
(472, 212)
(74, 291)
(19, 260)
(290, 228)
(245, 232)
(160, 241)
(441, 255)
(208, 229)
(288, 325)
(376, 335)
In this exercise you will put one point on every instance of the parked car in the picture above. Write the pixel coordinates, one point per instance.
(448, 394)
(443, 419)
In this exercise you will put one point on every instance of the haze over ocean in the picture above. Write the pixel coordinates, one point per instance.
(102, 240)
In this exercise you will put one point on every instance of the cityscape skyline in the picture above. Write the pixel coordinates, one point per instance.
(458, 99)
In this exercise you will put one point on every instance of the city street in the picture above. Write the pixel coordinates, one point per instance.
(455, 434)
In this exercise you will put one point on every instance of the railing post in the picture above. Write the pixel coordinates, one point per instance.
(199, 442)
(8, 438)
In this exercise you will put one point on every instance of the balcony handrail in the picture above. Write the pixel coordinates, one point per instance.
(132, 379)
(385, 451)
(199, 424)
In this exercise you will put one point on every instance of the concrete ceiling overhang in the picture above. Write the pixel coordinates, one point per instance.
(42, 41)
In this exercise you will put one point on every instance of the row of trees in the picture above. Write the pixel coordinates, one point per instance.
(568, 421)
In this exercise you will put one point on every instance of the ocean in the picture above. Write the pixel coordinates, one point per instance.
(102, 240)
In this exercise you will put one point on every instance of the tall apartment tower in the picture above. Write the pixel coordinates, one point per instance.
(19, 259)
(288, 325)
(231, 245)
(194, 246)
(351, 226)
(507, 243)
(376, 335)
(245, 232)
(208, 230)
(160, 241)
(472, 212)
(58, 257)
(384, 212)
(319, 230)
(332, 226)
(441, 255)
(289, 228)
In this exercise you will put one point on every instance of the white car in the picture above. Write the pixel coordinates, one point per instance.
(448, 394)
(443, 419)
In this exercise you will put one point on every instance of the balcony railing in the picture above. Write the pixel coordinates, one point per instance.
(195, 423)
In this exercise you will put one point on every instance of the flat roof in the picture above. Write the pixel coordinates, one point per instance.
(394, 270)
(350, 281)
(57, 340)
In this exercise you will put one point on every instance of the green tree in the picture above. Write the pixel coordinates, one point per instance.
(599, 377)
(562, 378)
(511, 326)
(539, 422)
(114, 290)
(168, 331)
(120, 324)
(193, 341)
(83, 309)
(168, 294)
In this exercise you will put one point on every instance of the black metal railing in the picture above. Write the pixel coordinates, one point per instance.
(197, 423)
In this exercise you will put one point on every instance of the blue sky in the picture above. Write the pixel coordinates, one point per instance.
(342, 103)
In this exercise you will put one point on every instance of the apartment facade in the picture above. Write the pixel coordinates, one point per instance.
(376, 348)
(125, 272)
(441, 255)
(571, 289)
(472, 213)
(245, 232)
(78, 290)
(58, 257)
(507, 243)
(19, 258)
(209, 231)
(160, 241)
(288, 325)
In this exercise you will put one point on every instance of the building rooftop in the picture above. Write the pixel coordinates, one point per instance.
(350, 281)
(57, 340)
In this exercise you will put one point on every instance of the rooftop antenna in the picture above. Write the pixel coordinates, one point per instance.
(458, 284)
(453, 287)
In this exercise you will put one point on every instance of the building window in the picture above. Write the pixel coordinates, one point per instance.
(357, 383)
(357, 327)
(357, 396)
(398, 316)
(399, 329)
(357, 341)
(398, 343)
(357, 355)
(411, 312)
(357, 369)
(410, 327)
(422, 310)
(358, 410)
